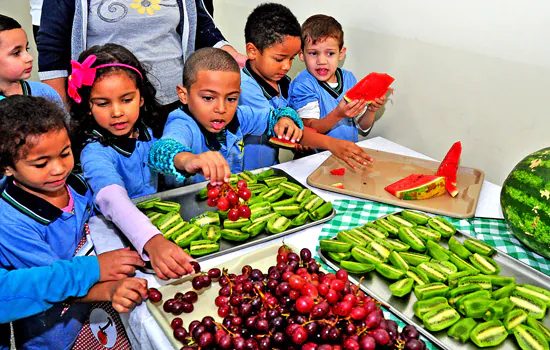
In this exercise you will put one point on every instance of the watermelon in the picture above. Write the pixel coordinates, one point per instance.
(282, 143)
(449, 167)
(374, 85)
(417, 186)
(525, 201)
(338, 185)
(338, 172)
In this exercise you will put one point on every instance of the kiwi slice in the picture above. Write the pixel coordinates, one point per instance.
(537, 325)
(461, 330)
(529, 338)
(423, 306)
(475, 308)
(490, 333)
(514, 318)
(498, 310)
(440, 318)
(402, 287)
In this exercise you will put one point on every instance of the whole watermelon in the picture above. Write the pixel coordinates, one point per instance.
(525, 201)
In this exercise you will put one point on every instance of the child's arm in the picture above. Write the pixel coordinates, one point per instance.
(326, 123)
(26, 292)
(212, 165)
(366, 119)
(123, 294)
(118, 264)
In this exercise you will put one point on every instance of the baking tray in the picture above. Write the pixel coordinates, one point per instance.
(260, 259)
(368, 182)
(378, 287)
(190, 207)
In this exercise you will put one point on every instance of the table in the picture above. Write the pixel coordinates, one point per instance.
(142, 329)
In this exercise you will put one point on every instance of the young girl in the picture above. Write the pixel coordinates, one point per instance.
(43, 215)
(113, 105)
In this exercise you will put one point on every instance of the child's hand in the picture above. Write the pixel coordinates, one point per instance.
(350, 153)
(118, 264)
(168, 259)
(303, 149)
(377, 104)
(127, 293)
(351, 109)
(212, 165)
(287, 129)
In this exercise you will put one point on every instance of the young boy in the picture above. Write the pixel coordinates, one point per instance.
(43, 215)
(206, 135)
(317, 92)
(264, 82)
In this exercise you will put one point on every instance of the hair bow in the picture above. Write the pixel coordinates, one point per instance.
(81, 74)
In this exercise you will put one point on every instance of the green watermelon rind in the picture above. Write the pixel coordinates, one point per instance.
(282, 143)
(525, 201)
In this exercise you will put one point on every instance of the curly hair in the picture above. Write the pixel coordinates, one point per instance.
(268, 24)
(21, 119)
(83, 122)
(320, 27)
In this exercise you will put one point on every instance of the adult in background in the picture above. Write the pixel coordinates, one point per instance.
(161, 33)
(36, 10)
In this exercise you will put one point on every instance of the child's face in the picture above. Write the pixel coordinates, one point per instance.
(322, 58)
(15, 60)
(275, 61)
(212, 98)
(114, 102)
(46, 166)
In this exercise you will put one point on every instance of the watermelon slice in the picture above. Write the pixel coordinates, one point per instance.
(282, 143)
(449, 167)
(338, 172)
(417, 186)
(374, 85)
(338, 185)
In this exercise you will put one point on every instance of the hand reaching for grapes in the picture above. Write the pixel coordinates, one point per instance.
(168, 259)
(127, 293)
(118, 264)
(212, 165)
(350, 153)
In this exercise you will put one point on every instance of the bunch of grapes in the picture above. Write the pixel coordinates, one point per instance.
(294, 306)
(227, 197)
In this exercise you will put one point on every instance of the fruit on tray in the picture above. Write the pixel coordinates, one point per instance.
(417, 186)
(338, 185)
(338, 172)
(282, 143)
(462, 284)
(250, 205)
(525, 201)
(449, 167)
(293, 305)
(374, 85)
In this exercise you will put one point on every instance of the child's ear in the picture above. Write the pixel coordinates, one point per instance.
(182, 93)
(252, 51)
(342, 54)
(9, 171)
(141, 101)
(301, 54)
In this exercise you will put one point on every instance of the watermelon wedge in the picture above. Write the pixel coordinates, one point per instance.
(282, 143)
(417, 186)
(338, 185)
(338, 172)
(374, 85)
(449, 166)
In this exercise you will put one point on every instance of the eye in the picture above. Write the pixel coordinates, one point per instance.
(41, 165)
(16, 52)
(101, 104)
(330, 54)
(232, 99)
(208, 98)
(312, 53)
(127, 100)
(279, 59)
(292, 58)
(66, 154)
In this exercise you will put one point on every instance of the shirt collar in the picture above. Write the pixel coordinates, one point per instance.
(125, 145)
(337, 91)
(214, 140)
(35, 207)
(268, 90)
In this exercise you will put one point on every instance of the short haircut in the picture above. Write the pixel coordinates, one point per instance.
(207, 58)
(268, 24)
(8, 23)
(320, 27)
(22, 117)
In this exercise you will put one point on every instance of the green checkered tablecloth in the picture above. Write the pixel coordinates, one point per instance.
(352, 213)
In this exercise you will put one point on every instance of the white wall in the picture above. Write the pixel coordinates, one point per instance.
(472, 70)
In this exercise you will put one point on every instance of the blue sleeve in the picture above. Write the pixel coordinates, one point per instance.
(99, 168)
(54, 40)
(26, 292)
(251, 94)
(179, 129)
(254, 121)
(46, 91)
(207, 32)
(301, 92)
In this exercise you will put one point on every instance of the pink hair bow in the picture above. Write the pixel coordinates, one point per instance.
(81, 74)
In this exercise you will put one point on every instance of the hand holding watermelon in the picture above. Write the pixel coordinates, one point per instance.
(351, 109)
(371, 87)
(377, 104)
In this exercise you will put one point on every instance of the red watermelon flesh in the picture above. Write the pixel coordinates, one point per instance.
(417, 186)
(282, 143)
(374, 85)
(449, 167)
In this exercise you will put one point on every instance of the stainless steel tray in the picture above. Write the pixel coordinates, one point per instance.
(190, 207)
(378, 287)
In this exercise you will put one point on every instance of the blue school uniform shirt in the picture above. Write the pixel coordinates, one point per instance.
(305, 89)
(258, 94)
(122, 163)
(33, 232)
(182, 127)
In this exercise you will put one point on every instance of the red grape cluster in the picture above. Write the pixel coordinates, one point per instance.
(294, 306)
(226, 197)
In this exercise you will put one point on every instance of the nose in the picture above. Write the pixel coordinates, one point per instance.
(286, 65)
(220, 106)
(321, 59)
(118, 111)
(58, 167)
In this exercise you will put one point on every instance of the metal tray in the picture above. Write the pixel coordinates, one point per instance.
(261, 259)
(378, 287)
(369, 182)
(190, 207)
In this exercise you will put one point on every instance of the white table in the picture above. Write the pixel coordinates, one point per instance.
(142, 329)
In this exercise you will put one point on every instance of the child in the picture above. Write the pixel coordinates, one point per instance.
(16, 64)
(110, 117)
(317, 92)
(43, 215)
(205, 136)
(264, 82)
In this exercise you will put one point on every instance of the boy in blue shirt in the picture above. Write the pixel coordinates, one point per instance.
(205, 135)
(317, 92)
(264, 82)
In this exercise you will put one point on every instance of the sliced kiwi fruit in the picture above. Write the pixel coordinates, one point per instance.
(461, 330)
(490, 333)
(530, 339)
(440, 318)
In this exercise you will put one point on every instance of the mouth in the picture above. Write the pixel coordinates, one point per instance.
(57, 183)
(322, 71)
(120, 126)
(28, 70)
(217, 124)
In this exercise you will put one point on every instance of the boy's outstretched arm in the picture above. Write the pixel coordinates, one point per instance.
(29, 291)
(365, 120)
(343, 110)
